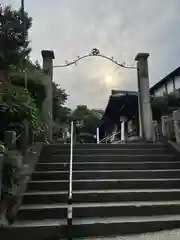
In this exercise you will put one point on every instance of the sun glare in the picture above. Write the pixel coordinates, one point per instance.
(109, 79)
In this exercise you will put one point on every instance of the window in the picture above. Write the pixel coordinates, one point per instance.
(170, 86)
(160, 91)
(177, 82)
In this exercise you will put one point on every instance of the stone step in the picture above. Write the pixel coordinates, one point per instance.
(123, 225)
(103, 184)
(117, 189)
(115, 151)
(93, 227)
(36, 230)
(116, 209)
(41, 212)
(93, 210)
(45, 197)
(90, 227)
(102, 174)
(125, 195)
(105, 146)
(108, 165)
(107, 158)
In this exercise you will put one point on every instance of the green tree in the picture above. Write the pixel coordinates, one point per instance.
(14, 42)
(61, 113)
(34, 82)
(14, 47)
(14, 58)
(89, 118)
(16, 105)
(98, 112)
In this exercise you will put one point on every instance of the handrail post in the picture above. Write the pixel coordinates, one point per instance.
(122, 132)
(69, 210)
(97, 135)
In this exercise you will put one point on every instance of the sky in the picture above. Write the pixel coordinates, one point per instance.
(118, 28)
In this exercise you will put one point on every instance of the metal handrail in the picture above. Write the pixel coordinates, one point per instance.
(69, 209)
(97, 135)
(108, 137)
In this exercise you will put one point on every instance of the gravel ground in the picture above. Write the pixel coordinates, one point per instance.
(164, 235)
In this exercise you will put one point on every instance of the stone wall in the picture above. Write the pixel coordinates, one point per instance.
(15, 170)
(170, 126)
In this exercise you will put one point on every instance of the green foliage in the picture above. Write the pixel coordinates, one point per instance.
(59, 95)
(80, 113)
(90, 123)
(61, 113)
(17, 105)
(89, 118)
(14, 47)
(14, 36)
(34, 83)
(13, 103)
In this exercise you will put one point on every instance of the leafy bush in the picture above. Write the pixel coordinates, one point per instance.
(16, 105)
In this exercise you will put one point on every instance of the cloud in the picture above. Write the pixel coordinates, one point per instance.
(119, 28)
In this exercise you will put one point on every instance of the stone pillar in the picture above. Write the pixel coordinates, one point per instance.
(156, 133)
(139, 112)
(144, 97)
(48, 57)
(176, 118)
(164, 125)
(126, 130)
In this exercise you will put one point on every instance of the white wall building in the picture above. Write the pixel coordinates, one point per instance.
(169, 84)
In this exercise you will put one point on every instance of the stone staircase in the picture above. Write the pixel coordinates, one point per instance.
(118, 189)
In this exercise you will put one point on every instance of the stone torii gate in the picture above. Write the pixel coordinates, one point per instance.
(144, 105)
